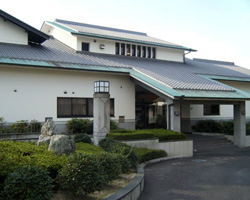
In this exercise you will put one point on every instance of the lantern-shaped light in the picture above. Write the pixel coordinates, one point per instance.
(101, 86)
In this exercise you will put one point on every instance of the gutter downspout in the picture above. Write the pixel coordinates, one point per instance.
(169, 113)
(184, 57)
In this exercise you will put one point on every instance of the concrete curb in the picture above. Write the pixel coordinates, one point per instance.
(133, 190)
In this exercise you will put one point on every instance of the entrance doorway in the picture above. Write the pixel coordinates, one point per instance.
(150, 110)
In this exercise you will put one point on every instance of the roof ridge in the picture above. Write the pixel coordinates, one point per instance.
(100, 27)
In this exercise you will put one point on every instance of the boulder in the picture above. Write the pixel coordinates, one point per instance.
(47, 131)
(62, 144)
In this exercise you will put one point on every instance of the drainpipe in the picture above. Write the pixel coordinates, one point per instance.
(169, 113)
(184, 60)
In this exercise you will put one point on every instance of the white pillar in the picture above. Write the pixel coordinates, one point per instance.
(175, 117)
(240, 124)
(101, 116)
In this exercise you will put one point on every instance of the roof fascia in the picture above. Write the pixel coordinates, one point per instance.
(42, 36)
(227, 78)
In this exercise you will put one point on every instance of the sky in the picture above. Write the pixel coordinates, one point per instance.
(218, 29)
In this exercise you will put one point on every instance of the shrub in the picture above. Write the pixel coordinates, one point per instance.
(209, 126)
(18, 154)
(112, 146)
(80, 126)
(20, 126)
(113, 125)
(34, 126)
(28, 183)
(226, 127)
(81, 175)
(88, 148)
(83, 137)
(162, 134)
(111, 165)
(145, 154)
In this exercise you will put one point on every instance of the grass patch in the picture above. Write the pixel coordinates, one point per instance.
(88, 148)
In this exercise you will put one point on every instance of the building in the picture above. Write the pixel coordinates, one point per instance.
(51, 73)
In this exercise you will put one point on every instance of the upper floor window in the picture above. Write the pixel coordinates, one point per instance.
(85, 46)
(135, 50)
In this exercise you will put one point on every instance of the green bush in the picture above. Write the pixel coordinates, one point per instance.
(209, 126)
(28, 183)
(20, 126)
(34, 126)
(83, 137)
(145, 154)
(162, 134)
(88, 148)
(81, 175)
(18, 154)
(226, 127)
(113, 125)
(111, 165)
(79, 126)
(112, 146)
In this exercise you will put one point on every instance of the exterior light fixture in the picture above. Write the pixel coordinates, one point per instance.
(65, 92)
(102, 46)
(15, 90)
(101, 87)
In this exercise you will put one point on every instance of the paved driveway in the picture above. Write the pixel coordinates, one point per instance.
(218, 171)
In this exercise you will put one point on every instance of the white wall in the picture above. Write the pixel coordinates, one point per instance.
(169, 54)
(38, 89)
(11, 33)
(61, 35)
(94, 45)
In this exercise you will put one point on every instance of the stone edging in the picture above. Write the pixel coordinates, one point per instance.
(136, 186)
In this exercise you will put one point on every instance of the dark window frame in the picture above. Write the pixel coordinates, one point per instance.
(85, 46)
(88, 101)
(211, 109)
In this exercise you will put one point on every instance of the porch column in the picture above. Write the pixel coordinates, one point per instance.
(175, 117)
(240, 124)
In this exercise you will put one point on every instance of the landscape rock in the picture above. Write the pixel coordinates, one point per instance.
(47, 131)
(62, 144)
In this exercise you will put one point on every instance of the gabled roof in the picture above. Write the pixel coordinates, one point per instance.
(76, 28)
(34, 35)
(193, 79)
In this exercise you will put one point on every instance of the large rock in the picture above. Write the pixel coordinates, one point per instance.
(62, 144)
(47, 131)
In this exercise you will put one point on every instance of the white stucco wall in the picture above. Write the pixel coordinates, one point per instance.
(169, 54)
(61, 35)
(11, 33)
(38, 89)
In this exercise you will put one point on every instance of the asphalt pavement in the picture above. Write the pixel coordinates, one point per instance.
(218, 171)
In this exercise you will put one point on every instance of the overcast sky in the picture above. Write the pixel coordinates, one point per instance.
(218, 29)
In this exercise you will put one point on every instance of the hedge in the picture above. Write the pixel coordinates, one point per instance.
(145, 154)
(88, 148)
(161, 134)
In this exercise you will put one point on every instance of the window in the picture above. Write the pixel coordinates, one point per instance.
(133, 50)
(144, 52)
(211, 109)
(78, 107)
(149, 52)
(117, 48)
(138, 51)
(154, 53)
(123, 49)
(128, 50)
(85, 46)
